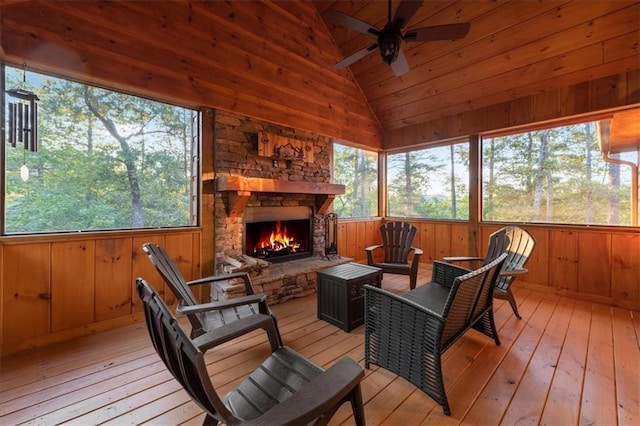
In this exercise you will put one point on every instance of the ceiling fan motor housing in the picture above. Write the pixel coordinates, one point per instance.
(389, 43)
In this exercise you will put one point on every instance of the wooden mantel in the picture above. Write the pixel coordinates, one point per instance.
(240, 189)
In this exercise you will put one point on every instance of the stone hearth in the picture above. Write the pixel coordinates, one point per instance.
(281, 281)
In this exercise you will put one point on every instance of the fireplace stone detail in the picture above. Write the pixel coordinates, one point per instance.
(244, 180)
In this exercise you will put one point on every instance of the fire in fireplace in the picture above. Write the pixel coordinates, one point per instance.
(277, 236)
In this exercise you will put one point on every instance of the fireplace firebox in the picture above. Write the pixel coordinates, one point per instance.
(278, 234)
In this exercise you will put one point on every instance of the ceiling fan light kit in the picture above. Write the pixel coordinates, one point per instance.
(390, 37)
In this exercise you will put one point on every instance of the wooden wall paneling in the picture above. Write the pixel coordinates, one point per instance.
(563, 262)
(26, 291)
(371, 236)
(196, 265)
(142, 267)
(180, 248)
(361, 237)
(459, 238)
(113, 278)
(427, 241)
(351, 240)
(625, 268)
(442, 238)
(594, 263)
(72, 284)
(538, 263)
(342, 238)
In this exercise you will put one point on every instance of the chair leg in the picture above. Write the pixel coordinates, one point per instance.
(512, 302)
(356, 406)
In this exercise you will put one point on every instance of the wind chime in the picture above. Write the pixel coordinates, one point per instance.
(23, 121)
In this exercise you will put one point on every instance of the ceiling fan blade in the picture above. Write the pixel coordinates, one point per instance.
(406, 9)
(351, 22)
(400, 66)
(438, 32)
(355, 56)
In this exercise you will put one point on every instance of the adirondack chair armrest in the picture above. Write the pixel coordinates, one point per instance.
(316, 397)
(238, 328)
(213, 306)
(512, 272)
(445, 273)
(449, 259)
(372, 248)
(417, 251)
(216, 278)
(369, 250)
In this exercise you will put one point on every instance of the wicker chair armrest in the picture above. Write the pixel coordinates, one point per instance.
(449, 259)
(384, 293)
(215, 278)
(238, 328)
(317, 397)
(445, 273)
(216, 306)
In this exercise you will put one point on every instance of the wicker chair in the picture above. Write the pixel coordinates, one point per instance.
(205, 317)
(518, 244)
(286, 389)
(397, 238)
(408, 334)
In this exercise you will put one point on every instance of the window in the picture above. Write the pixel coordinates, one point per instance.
(554, 175)
(105, 160)
(429, 183)
(357, 169)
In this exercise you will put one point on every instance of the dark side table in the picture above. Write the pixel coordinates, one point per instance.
(341, 294)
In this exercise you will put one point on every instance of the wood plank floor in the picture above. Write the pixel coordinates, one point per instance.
(566, 362)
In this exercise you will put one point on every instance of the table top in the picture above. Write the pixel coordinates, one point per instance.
(350, 270)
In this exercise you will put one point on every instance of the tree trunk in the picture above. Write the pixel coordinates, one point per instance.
(137, 219)
(540, 173)
(588, 140)
(613, 177)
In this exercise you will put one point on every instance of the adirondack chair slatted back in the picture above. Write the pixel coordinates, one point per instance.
(520, 246)
(397, 238)
(175, 280)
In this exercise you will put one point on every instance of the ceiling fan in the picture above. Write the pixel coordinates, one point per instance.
(389, 38)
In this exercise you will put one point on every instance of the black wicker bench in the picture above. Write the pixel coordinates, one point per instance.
(407, 334)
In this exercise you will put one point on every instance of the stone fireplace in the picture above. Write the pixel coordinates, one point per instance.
(252, 188)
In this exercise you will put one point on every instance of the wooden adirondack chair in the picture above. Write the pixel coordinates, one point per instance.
(206, 317)
(518, 244)
(397, 238)
(286, 389)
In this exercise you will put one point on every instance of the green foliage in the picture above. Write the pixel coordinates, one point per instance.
(358, 171)
(106, 160)
(429, 183)
(553, 175)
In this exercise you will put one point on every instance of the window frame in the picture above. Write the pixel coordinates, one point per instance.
(438, 144)
(537, 126)
(194, 185)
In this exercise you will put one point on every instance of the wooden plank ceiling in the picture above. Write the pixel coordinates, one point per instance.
(513, 49)
(273, 60)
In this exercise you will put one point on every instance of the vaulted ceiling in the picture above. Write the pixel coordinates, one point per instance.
(273, 60)
(513, 49)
